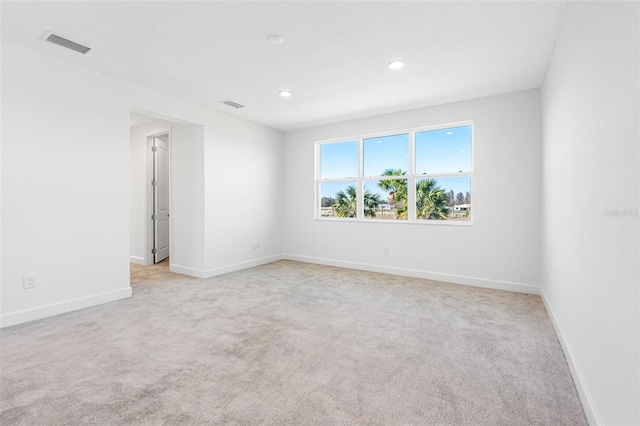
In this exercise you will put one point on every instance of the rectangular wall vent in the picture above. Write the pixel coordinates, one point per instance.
(233, 104)
(64, 42)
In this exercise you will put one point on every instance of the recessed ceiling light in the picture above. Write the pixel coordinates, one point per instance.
(449, 133)
(285, 93)
(276, 39)
(396, 65)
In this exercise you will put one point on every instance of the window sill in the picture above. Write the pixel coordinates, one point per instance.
(393, 221)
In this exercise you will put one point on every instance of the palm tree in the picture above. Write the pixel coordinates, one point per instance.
(397, 189)
(431, 200)
(346, 203)
(371, 203)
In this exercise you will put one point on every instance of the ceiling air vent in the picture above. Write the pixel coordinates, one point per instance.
(64, 42)
(233, 104)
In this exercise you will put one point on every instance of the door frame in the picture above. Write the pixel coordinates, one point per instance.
(148, 256)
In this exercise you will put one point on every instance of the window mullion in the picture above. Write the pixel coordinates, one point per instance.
(411, 180)
(444, 174)
(360, 181)
(350, 179)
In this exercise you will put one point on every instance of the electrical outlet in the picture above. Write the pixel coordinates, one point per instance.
(255, 245)
(29, 281)
(385, 251)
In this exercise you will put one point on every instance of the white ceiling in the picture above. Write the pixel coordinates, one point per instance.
(333, 59)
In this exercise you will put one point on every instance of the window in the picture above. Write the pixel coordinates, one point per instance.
(419, 175)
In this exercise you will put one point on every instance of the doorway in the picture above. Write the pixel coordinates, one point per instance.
(166, 219)
(160, 196)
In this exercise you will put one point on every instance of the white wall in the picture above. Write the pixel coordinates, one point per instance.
(590, 275)
(500, 250)
(65, 185)
(139, 210)
(244, 199)
(187, 221)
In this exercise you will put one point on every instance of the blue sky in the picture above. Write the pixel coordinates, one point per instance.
(339, 160)
(389, 152)
(444, 150)
(437, 151)
(330, 189)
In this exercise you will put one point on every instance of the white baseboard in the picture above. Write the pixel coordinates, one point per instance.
(242, 265)
(137, 260)
(19, 317)
(186, 270)
(590, 410)
(208, 273)
(415, 273)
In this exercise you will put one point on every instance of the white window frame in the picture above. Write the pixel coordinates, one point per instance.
(411, 177)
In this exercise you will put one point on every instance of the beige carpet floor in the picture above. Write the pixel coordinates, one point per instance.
(291, 344)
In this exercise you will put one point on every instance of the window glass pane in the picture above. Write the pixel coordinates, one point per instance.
(444, 198)
(443, 150)
(386, 153)
(338, 199)
(385, 199)
(339, 160)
